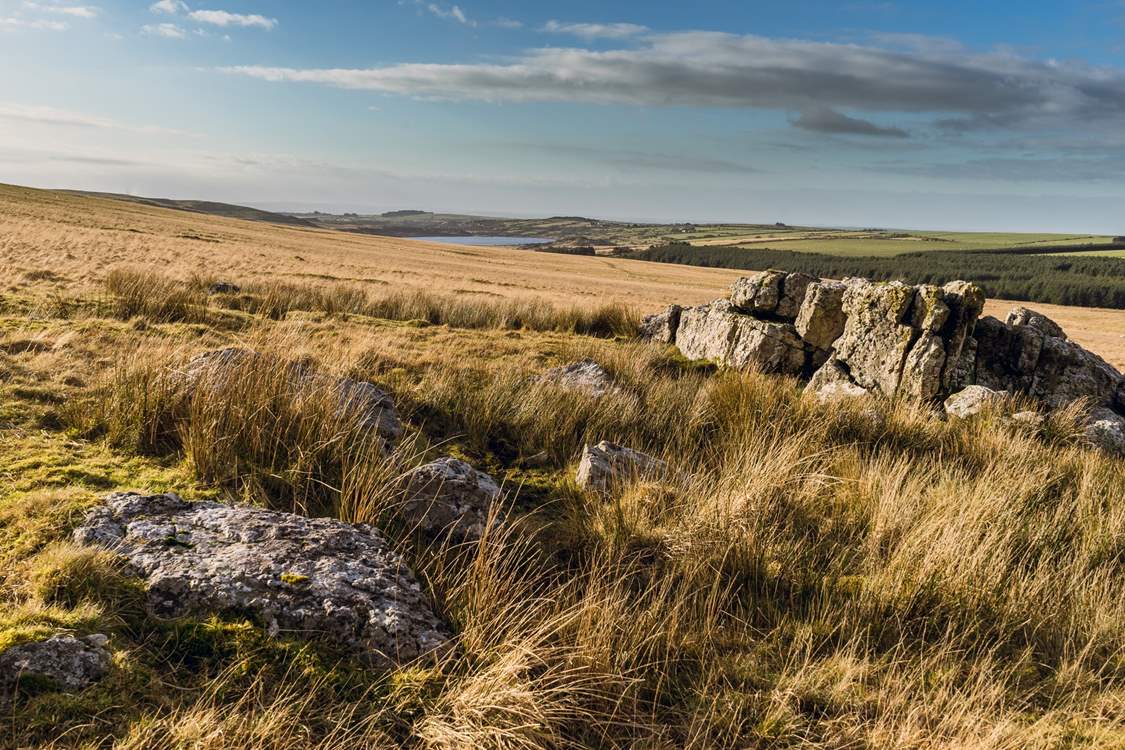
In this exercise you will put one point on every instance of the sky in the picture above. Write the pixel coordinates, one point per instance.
(884, 113)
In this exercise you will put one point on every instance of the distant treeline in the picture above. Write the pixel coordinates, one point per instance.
(1054, 279)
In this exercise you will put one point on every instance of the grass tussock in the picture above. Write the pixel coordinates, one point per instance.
(855, 574)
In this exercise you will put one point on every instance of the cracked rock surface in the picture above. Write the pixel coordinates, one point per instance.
(63, 662)
(298, 576)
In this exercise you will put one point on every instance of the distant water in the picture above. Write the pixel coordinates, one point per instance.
(485, 240)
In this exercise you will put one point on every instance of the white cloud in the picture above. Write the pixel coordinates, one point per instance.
(166, 30)
(77, 11)
(595, 30)
(171, 7)
(43, 115)
(12, 23)
(452, 12)
(224, 19)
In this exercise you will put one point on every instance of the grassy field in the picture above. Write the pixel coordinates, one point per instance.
(807, 576)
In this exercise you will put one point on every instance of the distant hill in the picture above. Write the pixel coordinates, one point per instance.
(212, 208)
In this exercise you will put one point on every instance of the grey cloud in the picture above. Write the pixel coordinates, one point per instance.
(828, 120)
(726, 70)
(630, 159)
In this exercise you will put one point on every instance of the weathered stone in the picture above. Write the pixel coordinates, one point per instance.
(661, 327)
(1026, 356)
(760, 293)
(223, 287)
(1119, 400)
(717, 332)
(832, 382)
(606, 465)
(586, 376)
(295, 575)
(448, 496)
(965, 302)
(371, 407)
(63, 662)
(876, 338)
(1106, 430)
(930, 312)
(1022, 316)
(821, 318)
(921, 374)
(1032, 420)
(794, 287)
(971, 401)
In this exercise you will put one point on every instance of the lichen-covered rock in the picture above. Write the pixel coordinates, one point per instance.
(1031, 420)
(448, 496)
(368, 405)
(832, 382)
(718, 333)
(1106, 430)
(971, 401)
(661, 327)
(606, 465)
(794, 288)
(821, 318)
(315, 578)
(586, 376)
(1022, 316)
(903, 340)
(1025, 358)
(63, 662)
(760, 293)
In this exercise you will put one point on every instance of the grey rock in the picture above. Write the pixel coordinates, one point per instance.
(371, 406)
(661, 327)
(312, 578)
(606, 465)
(760, 293)
(223, 287)
(586, 376)
(717, 332)
(971, 401)
(448, 496)
(832, 383)
(64, 662)
(876, 337)
(1022, 316)
(1032, 420)
(1106, 430)
(794, 288)
(821, 318)
(1022, 358)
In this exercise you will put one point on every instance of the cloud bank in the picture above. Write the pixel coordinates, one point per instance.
(956, 89)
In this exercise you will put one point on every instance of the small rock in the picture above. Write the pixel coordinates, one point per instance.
(1106, 430)
(306, 577)
(223, 287)
(606, 464)
(661, 327)
(448, 496)
(832, 382)
(63, 661)
(586, 376)
(971, 401)
(760, 293)
(1032, 420)
(1022, 316)
(821, 318)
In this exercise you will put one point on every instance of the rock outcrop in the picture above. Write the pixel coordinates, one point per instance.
(585, 376)
(371, 407)
(448, 496)
(661, 327)
(606, 465)
(313, 578)
(62, 662)
(718, 332)
(1106, 430)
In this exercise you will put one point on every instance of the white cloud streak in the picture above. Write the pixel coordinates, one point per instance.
(166, 30)
(224, 19)
(595, 30)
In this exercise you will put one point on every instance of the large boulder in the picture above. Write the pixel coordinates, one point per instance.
(1106, 430)
(821, 318)
(717, 332)
(61, 662)
(661, 327)
(585, 376)
(972, 400)
(305, 577)
(606, 465)
(1024, 355)
(904, 340)
(369, 406)
(448, 496)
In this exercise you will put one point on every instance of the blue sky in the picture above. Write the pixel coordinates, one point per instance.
(959, 115)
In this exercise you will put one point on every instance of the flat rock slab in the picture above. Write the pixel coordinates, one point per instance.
(304, 577)
(63, 662)
(606, 465)
(972, 400)
(586, 376)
